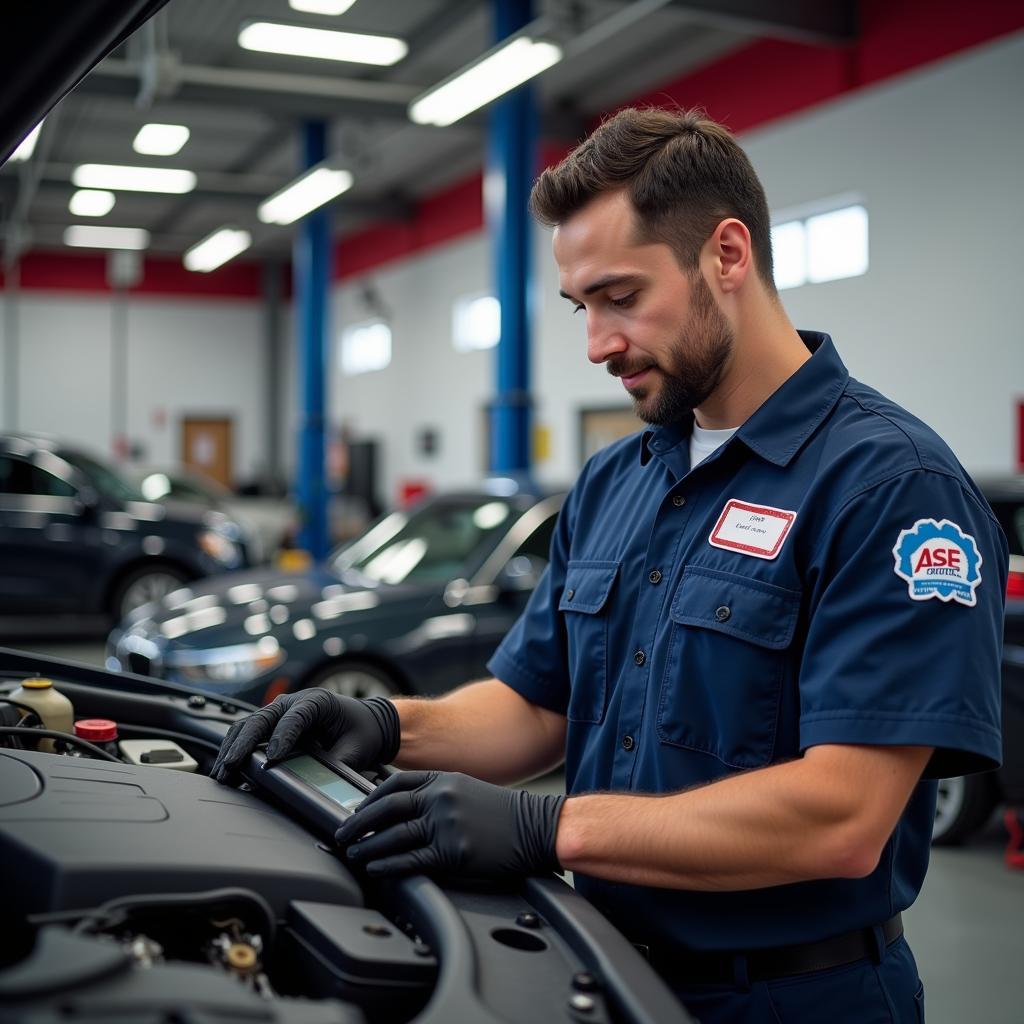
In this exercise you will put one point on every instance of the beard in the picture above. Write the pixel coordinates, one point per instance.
(692, 367)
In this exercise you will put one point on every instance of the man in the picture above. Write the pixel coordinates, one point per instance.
(764, 622)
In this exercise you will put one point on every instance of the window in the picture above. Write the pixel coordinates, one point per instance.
(365, 347)
(476, 323)
(20, 477)
(824, 245)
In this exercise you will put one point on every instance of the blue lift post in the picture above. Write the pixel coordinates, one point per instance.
(511, 162)
(312, 263)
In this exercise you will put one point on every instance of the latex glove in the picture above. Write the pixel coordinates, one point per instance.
(362, 733)
(454, 824)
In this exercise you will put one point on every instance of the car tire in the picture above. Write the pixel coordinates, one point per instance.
(963, 805)
(355, 679)
(143, 584)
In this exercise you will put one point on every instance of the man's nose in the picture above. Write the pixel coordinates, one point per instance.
(603, 341)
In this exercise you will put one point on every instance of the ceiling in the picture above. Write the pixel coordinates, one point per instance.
(245, 109)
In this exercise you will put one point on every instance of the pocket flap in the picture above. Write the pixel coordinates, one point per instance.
(749, 609)
(587, 586)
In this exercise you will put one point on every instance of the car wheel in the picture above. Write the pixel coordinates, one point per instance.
(145, 584)
(962, 806)
(355, 679)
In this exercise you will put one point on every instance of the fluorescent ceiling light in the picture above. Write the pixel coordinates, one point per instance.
(304, 195)
(216, 249)
(90, 236)
(160, 139)
(133, 179)
(326, 44)
(91, 203)
(28, 145)
(321, 6)
(501, 71)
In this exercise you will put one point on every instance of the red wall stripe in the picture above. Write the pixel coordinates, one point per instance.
(73, 272)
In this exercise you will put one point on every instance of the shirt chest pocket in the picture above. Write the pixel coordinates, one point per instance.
(725, 665)
(584, 607)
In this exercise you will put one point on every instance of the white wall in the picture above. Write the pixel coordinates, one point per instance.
(936, 153)
(185, 357)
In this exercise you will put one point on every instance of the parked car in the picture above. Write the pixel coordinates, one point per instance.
(136, 893)
(77, 540)
(416, 604)
(966, 804)
(266, 522)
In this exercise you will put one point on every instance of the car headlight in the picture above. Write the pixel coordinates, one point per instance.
(236, 664)
(219, 547)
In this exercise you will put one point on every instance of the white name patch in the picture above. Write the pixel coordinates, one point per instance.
(756, 530)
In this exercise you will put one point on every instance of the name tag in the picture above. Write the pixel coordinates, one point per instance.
(756, 530)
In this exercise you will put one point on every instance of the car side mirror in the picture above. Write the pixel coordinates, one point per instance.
(521, 573)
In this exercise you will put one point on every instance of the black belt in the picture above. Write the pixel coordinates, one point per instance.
(705, 968)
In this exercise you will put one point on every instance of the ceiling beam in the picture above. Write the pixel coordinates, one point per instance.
(806, 21)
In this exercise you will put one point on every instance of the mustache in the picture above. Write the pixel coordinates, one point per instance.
(621, 368)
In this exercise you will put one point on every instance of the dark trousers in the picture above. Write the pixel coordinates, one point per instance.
(864, 992)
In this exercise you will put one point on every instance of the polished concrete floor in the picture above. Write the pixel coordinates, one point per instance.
(966, 928)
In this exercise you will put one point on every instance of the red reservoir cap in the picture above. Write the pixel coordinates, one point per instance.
(96, 730)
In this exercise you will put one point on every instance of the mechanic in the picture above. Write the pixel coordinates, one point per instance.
(769, 623)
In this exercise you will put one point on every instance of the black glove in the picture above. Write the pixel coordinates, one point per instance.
(362, 733)
(454, 824)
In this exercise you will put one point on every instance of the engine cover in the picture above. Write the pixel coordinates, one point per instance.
(76, 832)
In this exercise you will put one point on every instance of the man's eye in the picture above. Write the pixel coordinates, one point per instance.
(624, 302)
(578, 307)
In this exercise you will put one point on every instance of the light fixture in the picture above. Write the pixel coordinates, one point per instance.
(304, 195)
(321, 6)
(216, 249)
(160, 139)
(326, 44)
(133, 179)
(28, 145)
(493, 75)
(90, 236)
(89, 202)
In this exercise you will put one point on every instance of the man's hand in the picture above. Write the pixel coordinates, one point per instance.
(451, 823)
(362, 733)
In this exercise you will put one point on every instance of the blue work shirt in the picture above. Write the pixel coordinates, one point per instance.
(829, 575)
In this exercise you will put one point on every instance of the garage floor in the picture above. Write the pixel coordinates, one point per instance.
(966, 929)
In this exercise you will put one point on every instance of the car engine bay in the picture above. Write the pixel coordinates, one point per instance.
(147, 892)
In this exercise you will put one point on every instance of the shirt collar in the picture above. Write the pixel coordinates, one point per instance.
(778, 429)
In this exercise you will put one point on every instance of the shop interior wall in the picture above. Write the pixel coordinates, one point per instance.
(935, 154)
(184, 358)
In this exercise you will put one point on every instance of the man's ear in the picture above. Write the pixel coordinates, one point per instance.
(731, 253)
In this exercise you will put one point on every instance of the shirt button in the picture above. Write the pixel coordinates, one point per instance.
(627, 743)
(722, 613)
(655, 576)
(639, 657)
(678, 500)
(570, 594)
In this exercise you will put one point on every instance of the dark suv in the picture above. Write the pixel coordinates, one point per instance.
(77, 540)
(965, 804)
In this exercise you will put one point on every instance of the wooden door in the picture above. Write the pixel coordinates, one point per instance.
(206, 447)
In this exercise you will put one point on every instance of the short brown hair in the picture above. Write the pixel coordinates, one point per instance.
(683, 172)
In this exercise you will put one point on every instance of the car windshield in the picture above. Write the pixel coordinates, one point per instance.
(105, 479)
(434, 543)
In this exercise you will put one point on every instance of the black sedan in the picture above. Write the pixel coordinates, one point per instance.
(76, 540)
(416, 604)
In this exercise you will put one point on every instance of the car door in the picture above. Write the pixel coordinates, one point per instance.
(50, 548)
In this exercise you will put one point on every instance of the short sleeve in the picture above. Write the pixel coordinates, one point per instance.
(532, 659)
(905, 622)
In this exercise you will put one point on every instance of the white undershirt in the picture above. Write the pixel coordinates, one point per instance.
(704, 442)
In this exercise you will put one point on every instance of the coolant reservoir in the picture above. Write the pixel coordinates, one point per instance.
(53, 708)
